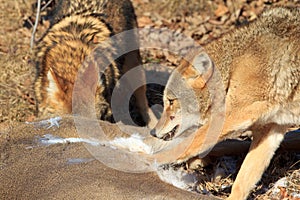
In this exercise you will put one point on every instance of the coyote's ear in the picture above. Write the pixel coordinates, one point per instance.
(203, 66)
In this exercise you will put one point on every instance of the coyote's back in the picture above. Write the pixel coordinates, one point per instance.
(268, 49)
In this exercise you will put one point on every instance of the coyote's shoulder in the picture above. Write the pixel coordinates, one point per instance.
(275, 34)
(257, 70)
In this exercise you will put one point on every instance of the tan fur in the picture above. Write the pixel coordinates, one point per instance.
(77, 29)
(260, 70)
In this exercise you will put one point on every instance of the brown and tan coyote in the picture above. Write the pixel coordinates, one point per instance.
(259, 66)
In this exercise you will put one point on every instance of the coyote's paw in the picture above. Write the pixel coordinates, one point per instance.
(188, 153)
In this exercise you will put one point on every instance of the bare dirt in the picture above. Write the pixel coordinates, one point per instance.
(31, 171)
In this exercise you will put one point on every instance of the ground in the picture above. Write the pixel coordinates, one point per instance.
(203, 20)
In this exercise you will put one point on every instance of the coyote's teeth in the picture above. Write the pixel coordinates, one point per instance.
(169, 136)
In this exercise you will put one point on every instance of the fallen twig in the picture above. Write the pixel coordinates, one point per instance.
(38, 10)
(236, 147)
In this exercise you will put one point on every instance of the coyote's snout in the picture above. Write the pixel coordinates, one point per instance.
(259, 67)
(181, 98)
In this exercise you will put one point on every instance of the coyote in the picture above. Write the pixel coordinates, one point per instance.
(259, 68)
(77, 30)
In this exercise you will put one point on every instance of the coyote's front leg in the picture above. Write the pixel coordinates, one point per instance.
(262, 149)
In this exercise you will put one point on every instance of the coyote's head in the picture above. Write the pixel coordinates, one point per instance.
(186, 97)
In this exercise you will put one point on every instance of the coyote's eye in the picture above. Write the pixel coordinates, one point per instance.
(171, 103)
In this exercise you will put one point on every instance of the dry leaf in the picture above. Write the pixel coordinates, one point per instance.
(221, 10)
(144, 21)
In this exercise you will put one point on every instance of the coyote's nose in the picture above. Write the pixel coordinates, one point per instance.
(153, 132)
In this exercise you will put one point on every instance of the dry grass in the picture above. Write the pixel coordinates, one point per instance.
(16, 69)
(218, 176)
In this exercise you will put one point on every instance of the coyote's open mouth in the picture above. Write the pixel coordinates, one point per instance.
(169, 136)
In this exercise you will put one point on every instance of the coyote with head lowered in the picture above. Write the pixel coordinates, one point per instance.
(76, 41)
(259, 71)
